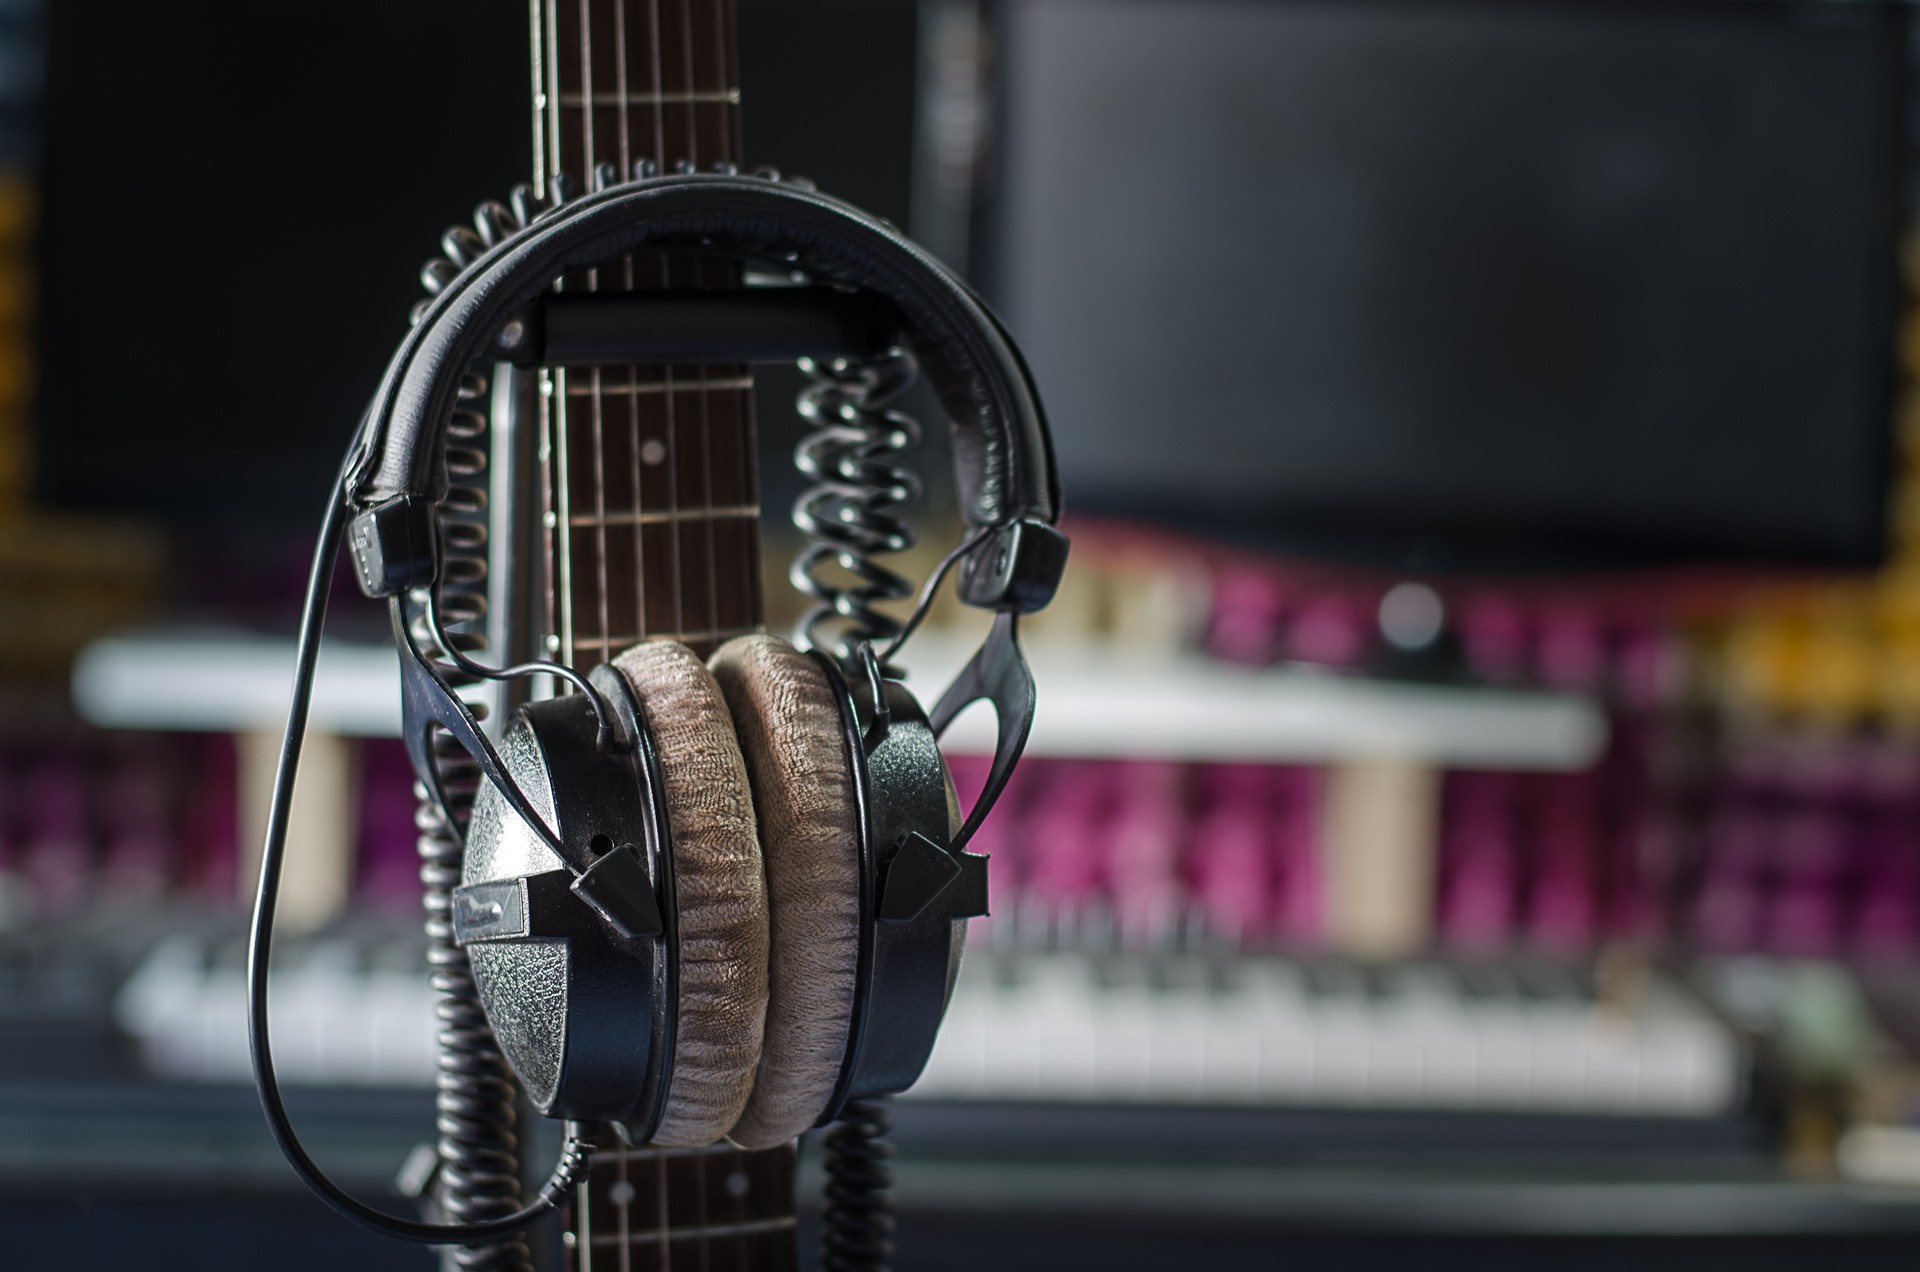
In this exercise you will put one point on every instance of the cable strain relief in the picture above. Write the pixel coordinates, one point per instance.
(576, 1156)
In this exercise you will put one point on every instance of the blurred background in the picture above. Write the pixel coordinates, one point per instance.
(1475, 809)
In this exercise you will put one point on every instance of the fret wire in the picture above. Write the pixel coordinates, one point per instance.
(732, 512)
(721, 97)
(682, 1232)
(643, 388)
(716, 635)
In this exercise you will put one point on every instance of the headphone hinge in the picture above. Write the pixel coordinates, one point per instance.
(1016, 568)
(395, 546)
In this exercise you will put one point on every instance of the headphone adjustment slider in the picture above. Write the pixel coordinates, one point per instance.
(395, 546)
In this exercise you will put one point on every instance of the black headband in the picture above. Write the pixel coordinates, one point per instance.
(1001, 456)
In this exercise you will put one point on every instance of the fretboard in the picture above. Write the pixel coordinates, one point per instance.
(652, 529)
(652, 493)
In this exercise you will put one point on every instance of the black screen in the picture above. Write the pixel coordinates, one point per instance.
(237, 208)
(1475, 283)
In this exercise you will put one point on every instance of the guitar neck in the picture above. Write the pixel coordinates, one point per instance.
(651, 514)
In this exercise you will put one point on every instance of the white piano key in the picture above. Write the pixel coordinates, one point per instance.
(1061, 1002)
(1125, 1021)
(1233, 1040)
(1613, 1063)
(1557, 1031)
(1286, 1034)
(1177, 1053)
(1503, 1054)
(1342, 1033)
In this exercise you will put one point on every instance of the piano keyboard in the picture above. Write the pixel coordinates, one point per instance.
(344, 1012)
(1274, 1032)
(1168, 1030)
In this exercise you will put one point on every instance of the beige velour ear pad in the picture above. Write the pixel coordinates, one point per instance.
(791, 733)
(719, 889)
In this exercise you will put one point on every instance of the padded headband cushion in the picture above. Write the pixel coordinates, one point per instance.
(720, 893)
(1001, 452)
(791, 733)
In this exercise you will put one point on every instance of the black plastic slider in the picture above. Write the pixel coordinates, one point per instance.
(923, 872)
(746, 324)
(1015, 568)
(619, 891)
(394, 546)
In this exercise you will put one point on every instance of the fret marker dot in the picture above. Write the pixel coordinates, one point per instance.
(738, 1184)
(653, 453)
(622, 1193)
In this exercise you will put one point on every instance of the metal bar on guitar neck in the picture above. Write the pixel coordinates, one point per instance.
(748, 324)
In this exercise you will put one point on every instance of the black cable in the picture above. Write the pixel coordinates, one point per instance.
(858, 1233)
(475, 1099)
(578, 1149)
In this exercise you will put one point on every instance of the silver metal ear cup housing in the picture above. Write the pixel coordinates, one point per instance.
(584, 1014)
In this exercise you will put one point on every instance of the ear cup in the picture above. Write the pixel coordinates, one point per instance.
(720, 893)
(791, 734)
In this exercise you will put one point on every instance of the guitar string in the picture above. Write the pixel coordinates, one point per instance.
(713, 610)
(745, 432)
(702, 275)
(635, 446)
(535, 20)
(670, 409)
(589, 157)
(554, 385)
(666, 372)
(657, 85)
(622, 1198)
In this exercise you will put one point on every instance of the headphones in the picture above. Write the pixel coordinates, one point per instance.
(703, 899)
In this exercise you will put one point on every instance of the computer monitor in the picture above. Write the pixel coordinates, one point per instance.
(1462, 283)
